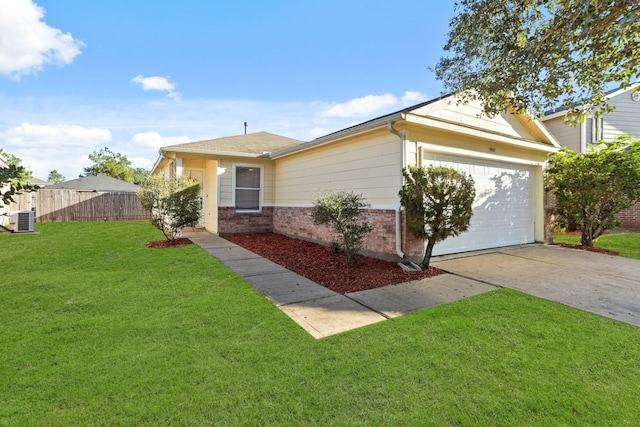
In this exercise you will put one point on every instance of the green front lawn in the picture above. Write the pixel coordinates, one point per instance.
(99, 330)
(626, 244)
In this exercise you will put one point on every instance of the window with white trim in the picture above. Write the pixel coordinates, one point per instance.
(247, 188)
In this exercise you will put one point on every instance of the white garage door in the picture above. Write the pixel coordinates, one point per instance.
(503, 210)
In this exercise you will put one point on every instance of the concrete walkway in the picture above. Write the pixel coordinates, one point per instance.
(323, 312)
(602, 284)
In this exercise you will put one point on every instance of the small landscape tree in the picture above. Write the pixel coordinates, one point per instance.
(343, 212)
(591, 188)
(14, 178)
(173, 203)
(438, 202)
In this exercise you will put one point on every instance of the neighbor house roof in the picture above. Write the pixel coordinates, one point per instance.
(100, 183)
(560, 111)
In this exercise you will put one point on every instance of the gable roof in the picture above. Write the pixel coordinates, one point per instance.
(560, 111)
(101, 183)
(249, 145)
(423, 114)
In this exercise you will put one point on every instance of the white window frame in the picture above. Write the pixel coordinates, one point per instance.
(260, 190)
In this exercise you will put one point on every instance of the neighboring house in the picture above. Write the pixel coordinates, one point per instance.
(98, 183)
(624, 119)
(261, 182)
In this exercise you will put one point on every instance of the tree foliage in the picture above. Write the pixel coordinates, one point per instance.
(343, 211)
(140, 175)
(591, 188)
(438, 202)
(115, 165)
(535, 55)
(14, 178)
(173, 203)
(55, 177)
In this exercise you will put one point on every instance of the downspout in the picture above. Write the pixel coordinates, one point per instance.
(399, 251)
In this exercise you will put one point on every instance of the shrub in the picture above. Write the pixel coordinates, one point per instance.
(173, 203)
(343, 212)
(592, 188)
(439, 204)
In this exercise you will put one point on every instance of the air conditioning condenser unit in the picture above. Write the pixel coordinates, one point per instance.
(21, 221)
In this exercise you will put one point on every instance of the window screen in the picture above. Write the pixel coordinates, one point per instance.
(247, 188)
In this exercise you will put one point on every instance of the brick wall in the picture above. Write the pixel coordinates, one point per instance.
(232, 222)
(381, 242)
(630, 218)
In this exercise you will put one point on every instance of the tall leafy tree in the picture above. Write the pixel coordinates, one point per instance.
(55, 177)
(534, 55)
(106, 162)
(140, 175)
(439, 204)
(592, 188)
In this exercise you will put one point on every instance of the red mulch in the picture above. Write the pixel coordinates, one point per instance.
(587, 248)
(320, 264)
(169, 243)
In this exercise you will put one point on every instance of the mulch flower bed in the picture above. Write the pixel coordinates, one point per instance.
(322, 265)
(169, 243)
(587, 248)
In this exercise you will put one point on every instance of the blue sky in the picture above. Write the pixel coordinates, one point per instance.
(77, 76)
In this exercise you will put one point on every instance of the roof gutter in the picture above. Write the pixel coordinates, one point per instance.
(400, 135)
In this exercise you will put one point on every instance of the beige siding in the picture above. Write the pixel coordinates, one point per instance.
(567, 136)
(225, 175)
(472, 146)
(368, 165)
(472, 115)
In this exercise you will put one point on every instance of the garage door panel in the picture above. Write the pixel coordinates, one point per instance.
(503, 208)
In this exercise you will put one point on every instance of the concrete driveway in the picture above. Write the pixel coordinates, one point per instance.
(597, 283)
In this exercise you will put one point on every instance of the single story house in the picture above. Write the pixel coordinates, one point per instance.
(97, 183)
(262, 182)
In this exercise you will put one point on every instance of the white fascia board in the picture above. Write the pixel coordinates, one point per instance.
(450, 126)
(434, 148)
(210, 152)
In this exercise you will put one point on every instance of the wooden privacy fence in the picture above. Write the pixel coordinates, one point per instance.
(59, 205)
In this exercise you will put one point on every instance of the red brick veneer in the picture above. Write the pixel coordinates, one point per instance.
(232, 222)
(381, 242)
(630, 217)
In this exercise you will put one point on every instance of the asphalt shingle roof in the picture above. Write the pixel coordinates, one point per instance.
(251, 143)
(96, 183)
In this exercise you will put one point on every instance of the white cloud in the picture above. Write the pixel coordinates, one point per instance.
(412, 98)
(141, 162)
(316, 132)
(27, 43)
(364, 106)
(153, 140)
(161, 84)
(28, 135)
